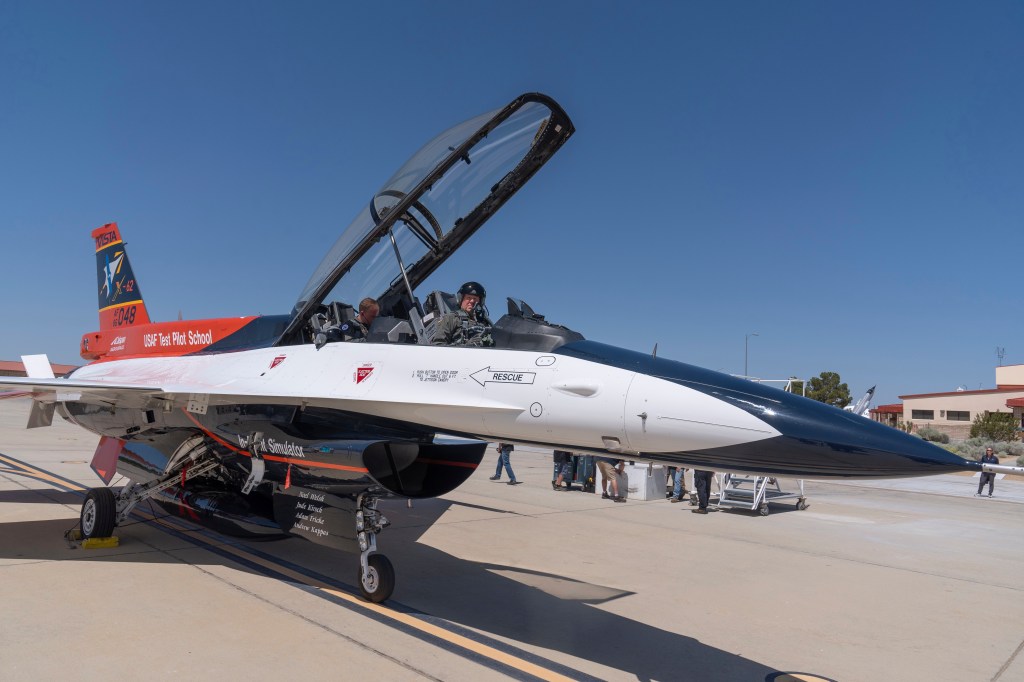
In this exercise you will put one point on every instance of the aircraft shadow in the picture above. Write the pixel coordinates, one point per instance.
(548, 611)
(551, 611)
(47, 496)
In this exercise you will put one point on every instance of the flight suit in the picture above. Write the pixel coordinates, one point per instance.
(353, 330)
(459, 328)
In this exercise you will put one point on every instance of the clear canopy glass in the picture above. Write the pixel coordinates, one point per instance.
(435, 201)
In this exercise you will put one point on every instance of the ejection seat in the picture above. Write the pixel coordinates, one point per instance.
(438, 304)
(327, 323)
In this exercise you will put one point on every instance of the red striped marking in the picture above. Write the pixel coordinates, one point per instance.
(467, 465)
(311, 463)
(273, 458)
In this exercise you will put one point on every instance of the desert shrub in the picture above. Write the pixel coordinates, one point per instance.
(933, 435)
(974, 448)
(999, 426)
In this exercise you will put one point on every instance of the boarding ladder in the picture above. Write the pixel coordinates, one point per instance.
(755, 492)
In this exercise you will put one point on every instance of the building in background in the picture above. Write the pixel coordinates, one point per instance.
(890, 415)
(952, 412)
(14, 368)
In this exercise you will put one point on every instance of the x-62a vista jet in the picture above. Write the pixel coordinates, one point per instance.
(274, 425)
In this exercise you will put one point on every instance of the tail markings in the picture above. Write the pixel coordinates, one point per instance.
(125, 328)
(120, 300)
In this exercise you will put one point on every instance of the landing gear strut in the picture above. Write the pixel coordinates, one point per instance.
(376, 574)
(103, 510)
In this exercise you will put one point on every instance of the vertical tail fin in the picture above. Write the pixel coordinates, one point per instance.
(120, 300)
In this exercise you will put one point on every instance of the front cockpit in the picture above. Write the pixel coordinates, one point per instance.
(421, 216)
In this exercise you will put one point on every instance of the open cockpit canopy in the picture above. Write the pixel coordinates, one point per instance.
(436, 201)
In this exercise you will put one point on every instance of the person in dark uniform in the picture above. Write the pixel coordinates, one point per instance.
(469, 325)
(702, 482)
(988, 458)
(359, 327)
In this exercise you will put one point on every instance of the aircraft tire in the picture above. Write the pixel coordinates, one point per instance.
(381, 578)
(99, 513)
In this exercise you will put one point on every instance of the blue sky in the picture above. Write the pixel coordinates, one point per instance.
(844, 179)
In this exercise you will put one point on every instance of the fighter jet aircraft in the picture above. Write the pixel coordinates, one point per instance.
(862, 406)
(274, 425)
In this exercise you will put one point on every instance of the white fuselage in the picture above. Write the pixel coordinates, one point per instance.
(522, 396)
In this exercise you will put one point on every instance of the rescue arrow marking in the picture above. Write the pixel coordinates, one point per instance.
(502, 376)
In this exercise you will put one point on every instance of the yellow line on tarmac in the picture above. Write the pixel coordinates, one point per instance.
(403, 618)
(29, 470)
(458, 640)
(406, 619)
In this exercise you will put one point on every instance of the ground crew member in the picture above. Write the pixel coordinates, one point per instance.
(702, 482)
(987, 477)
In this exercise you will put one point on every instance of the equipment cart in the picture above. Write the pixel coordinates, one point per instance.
(755, 492)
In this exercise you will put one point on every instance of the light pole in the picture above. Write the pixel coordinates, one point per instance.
(746, 345)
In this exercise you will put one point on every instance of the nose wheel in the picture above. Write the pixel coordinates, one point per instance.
(377, 579)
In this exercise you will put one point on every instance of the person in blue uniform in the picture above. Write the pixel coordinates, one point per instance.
(504, 460)
(679, 485)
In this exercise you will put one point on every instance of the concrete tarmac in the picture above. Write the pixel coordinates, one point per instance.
(896, 580)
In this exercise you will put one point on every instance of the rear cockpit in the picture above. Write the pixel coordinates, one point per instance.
(421, 216)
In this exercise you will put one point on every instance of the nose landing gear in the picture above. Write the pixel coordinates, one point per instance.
(376, 577)
(376, 574)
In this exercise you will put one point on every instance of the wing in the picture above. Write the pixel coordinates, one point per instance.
(46, 393)
(54, 390)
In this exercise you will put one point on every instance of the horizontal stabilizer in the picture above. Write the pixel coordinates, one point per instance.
(37, 366)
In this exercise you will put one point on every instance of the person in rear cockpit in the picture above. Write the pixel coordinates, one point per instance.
(469, 325)
(358, 328)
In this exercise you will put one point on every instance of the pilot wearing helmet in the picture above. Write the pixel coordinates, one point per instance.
(469, 325)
